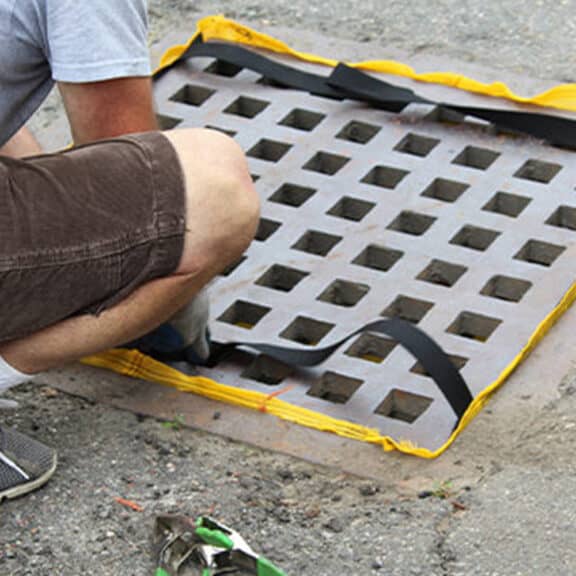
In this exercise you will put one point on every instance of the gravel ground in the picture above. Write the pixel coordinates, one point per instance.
(515, 516)
(306, 519)
(511, 519)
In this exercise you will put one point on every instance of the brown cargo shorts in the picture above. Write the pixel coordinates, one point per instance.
(82, 229)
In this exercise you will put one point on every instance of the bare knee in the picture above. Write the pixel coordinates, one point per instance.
(222, 208)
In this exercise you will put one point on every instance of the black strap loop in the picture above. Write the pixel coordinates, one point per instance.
(432, 358)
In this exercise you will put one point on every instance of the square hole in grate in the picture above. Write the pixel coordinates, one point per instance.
(442, 273)
(474, 157)
(221, 68)
(167, 122)
(267, 371)
(263, 81)
(192, 95)
(445, 116)
(231, 268)
(458, 361)
(538, 171)
(371, 348)
(358, 132)
(445, 190)
(538, 252)
(244, 314)
(507, 204)
(506, 288)
(306, 331)
(385, 177)
(230, 133)
(416, 145)
(302, 119)
(411, 223)
(474, 326)
(281, 278)
(265, 229)
(326, 163)
(344, 293)
(474, 237)
(335, 387)
(315, 242)
(246, 107)
(563, 217)
(409, 309)
(292, 195)
(269, 150)
(378, 257)
(404, 406)
(351, 208)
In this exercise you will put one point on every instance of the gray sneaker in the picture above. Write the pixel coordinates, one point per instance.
(25, 464)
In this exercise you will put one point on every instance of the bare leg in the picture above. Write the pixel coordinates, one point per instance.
(222, 215)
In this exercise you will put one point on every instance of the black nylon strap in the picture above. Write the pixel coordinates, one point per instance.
(346, 82)
(360, 86)
(556, 130)
(271, 70)
(431, 357)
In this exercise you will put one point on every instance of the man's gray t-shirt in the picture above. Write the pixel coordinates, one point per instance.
(43, 41)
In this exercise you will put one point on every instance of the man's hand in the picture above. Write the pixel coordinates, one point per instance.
(110, 108)
(21, 144)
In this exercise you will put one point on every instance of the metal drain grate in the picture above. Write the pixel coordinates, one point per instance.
(466, 232)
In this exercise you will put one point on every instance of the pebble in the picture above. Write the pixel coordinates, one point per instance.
(369, 490)
(335, 525)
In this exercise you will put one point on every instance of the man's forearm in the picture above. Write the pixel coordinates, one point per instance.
(21, 144)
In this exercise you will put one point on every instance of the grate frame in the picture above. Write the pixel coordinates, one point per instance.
(455, 175)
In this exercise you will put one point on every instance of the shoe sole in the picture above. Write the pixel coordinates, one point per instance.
(22, 489)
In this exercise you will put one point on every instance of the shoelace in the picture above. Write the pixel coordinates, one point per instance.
(8, 461)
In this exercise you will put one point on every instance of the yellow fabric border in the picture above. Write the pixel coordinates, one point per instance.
(134, 364)
(562, 97)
